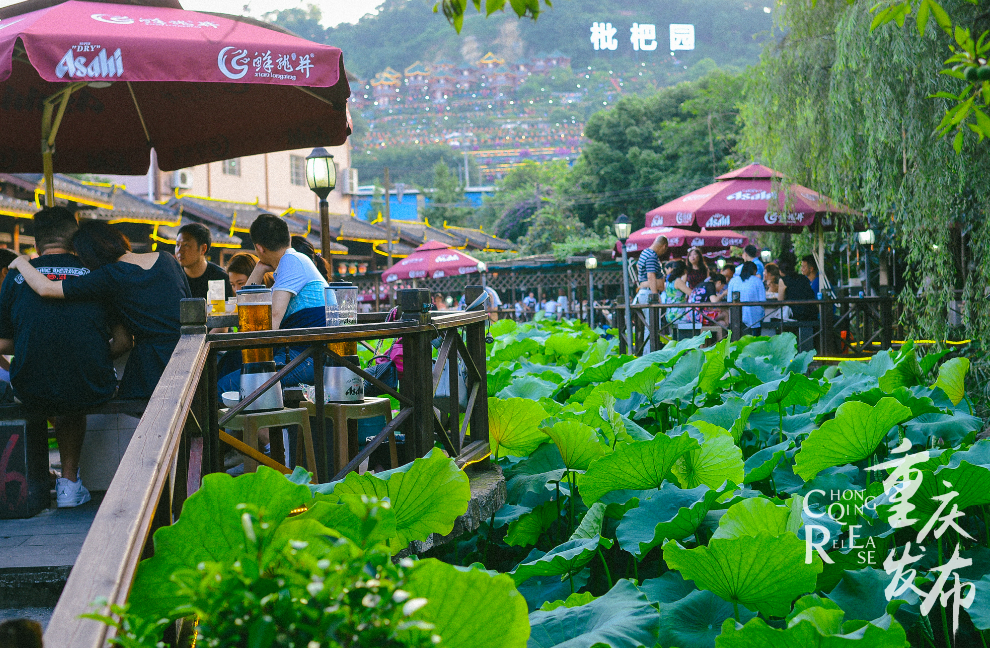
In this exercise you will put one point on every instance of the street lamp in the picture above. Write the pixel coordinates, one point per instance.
(867, 238)
(766, 255)
(321, 176)
(591, 263)
(482, 269)
(623, 228)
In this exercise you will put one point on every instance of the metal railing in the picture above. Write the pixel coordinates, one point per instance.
(842, 326)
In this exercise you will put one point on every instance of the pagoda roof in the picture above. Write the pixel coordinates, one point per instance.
(418, 69)
(490, 59)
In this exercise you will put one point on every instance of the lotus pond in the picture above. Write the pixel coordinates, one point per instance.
(722, 496)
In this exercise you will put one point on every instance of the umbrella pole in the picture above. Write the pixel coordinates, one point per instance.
(825, 284)
(49, 129)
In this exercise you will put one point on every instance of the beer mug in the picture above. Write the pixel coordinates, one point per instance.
(254, 313)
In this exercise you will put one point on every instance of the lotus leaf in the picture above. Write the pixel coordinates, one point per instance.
(671, 514)
(861, 595)
(757, 515)
(851, 436)
(566, 558)
(714, 369)
(527, 529)
(541, 589)
(426, 499)
(210, 529)
(577, 599)
(563, 345)
(668, 588)
(528, 387)
(695, 621)
(578, 444)
(763, 572)
(514, 426)
(502, 327)
(906, 372)
(469, 608)
(760, 466)
(622, 618)
(513, 350)
(531, 481)
(818, 626)
(952, 379)
(638, 465)
(591, 523)
(732, 415)
(717, 460)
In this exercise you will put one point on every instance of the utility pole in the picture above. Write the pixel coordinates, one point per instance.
(467, 171)
(388, 226)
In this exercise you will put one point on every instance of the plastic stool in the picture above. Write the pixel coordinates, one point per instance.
(251, 422)
(345, 417)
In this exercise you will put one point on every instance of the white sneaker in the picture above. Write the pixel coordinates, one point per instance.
(70, 493)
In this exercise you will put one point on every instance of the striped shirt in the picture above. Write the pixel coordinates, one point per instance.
(648, 262)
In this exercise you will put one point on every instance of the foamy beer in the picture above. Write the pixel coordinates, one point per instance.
(254, 313)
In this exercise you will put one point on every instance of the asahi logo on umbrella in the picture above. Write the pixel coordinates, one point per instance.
(718, 220)
(467, 269)
(683, 218)
(751, 194)
(411, 261)
(697, 241)
(731, 241)
(696, 196)
(102, 65)
(416, 274)
(392, 277)
(444, 258)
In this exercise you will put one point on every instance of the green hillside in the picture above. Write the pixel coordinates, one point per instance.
(727, 31)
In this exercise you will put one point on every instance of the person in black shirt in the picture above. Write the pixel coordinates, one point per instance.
(144, 289)
(795, 287)
(191, 245)
(62, 350)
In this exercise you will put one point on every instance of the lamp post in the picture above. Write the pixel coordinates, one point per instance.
(483, 269)
(591, 263)
(623, 228)
(766, 255)
(868, 238)
(321, 176)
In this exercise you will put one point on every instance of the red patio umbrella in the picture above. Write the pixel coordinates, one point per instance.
(114, 81)
(678, 238)
(434, 260)
(746, 199)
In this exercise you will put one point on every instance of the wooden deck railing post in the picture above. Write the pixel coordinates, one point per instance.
(619, 314)
(735, 317)
(825, 310)
(886, 319)
(478, 430)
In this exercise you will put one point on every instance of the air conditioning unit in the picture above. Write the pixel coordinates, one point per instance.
(350, 184)
(182, 179)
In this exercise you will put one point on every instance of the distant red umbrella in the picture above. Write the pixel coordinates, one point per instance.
(746, 199)
(679, 238)
(115, 81)
(434, 260)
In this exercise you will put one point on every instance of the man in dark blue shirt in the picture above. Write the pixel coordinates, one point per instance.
(62, 349)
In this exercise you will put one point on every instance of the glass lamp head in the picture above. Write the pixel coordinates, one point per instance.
(321, 174)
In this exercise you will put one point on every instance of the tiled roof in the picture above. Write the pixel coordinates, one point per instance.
(232, 215)
(71, 190)
(480, 240)
(16, 207)
(130, 208)
(416, 233)
(418, 69)
(343, 228)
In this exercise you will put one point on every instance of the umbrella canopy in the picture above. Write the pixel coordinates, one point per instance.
(746, 199)
(116, 80)
(679, 238)
(433, 259)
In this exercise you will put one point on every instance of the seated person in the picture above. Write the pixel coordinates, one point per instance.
(297, 295)
(144, 291)
(239, 268)
(62, 349)
(191, 245)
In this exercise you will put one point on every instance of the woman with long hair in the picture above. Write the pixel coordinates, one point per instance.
(676, 290)
(144, 289)
(697, 268)
(303, 246)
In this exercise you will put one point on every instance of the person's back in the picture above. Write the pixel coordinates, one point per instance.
(61, 348)
(796, 287)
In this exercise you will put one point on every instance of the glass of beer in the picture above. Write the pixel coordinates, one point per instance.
(254, 313)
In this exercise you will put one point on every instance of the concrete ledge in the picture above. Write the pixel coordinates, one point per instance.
(32, 587)
(488, 494)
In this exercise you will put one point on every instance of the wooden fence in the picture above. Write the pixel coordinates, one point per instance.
(149, 487)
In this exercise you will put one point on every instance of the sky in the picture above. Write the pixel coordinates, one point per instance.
(334, 11)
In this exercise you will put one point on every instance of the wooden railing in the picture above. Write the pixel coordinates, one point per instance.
(842, 326)
(149, 487)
